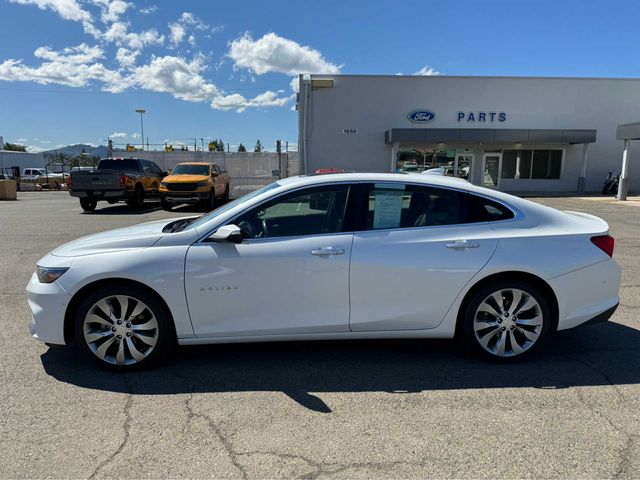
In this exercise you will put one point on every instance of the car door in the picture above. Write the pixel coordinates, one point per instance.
(413, 256)
(289, 275)
(217, 180)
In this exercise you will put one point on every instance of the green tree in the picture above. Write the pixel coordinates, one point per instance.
(242, 148)
(258, 147)
(14, 147)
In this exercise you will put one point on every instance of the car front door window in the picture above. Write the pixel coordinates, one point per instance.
(313, 211)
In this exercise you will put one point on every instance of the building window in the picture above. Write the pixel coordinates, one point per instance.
(531, 164)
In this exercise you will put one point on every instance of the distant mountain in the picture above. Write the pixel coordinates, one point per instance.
(75, 150)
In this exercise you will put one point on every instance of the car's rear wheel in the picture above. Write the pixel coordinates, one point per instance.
(123, 327)
(88, 204)
(166, 205)
(507, 320)
(137, 200)
(225, 198)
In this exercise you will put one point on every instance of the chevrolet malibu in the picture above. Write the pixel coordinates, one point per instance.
(340, 256)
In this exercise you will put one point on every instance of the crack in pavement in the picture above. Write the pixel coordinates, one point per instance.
(320, 468)
(226, 444)
(126, 426)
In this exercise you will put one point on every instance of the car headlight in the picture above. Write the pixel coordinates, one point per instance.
(50, 275)
(163, 184)
(203, 184)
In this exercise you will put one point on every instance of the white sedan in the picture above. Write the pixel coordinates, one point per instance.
(339, 256)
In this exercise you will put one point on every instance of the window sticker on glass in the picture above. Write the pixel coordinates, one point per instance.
(388, 206)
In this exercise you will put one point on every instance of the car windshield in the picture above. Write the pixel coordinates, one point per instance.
(191, 170)
(118, 165)
(219, 211)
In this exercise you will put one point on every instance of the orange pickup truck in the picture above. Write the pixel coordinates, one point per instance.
(195, 182)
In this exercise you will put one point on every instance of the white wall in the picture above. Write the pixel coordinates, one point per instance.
(374, 104)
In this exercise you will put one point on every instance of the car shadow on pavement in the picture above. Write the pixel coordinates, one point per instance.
(607, 354)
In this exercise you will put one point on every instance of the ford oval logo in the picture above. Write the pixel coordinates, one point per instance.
(420, 116)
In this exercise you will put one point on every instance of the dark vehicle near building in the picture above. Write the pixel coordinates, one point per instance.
(115, 179)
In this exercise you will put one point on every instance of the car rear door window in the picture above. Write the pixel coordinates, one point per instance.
(313, 211)
(395, 205)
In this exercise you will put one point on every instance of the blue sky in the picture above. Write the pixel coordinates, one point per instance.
(73, 71)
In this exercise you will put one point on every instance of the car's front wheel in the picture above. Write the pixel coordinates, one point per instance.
(507, 320)
(123, 327)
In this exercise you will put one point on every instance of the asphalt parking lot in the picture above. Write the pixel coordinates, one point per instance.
(357, 409)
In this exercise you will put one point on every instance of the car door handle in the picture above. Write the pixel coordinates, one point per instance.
(327, 251)
(462, 244)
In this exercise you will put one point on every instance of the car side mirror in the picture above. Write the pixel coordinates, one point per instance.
(227, 233)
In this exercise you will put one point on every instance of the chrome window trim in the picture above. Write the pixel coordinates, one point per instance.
(517, 214)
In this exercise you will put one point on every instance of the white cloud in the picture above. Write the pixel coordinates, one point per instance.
(118, 135)
(179, 29)
(273, 53)
(148, 10)
(82, 53)
(126, 58)
(111, 10)
(61, 72)
(177, 76)
(240, 103)
(35, 149)
(177, 33)
(135, 136)
(119, 34)
(427, 70)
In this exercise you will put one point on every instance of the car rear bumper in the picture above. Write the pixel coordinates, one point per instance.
(589, 294)
(102, 194)
(48, 303)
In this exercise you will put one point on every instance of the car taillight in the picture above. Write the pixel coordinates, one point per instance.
(69, 181)
(123, 180)
(604, 243)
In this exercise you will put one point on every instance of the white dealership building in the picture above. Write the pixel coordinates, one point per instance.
(517, 134)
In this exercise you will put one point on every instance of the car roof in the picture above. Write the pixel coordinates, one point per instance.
(194, 163)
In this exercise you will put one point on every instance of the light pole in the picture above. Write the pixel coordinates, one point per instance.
(141, 112)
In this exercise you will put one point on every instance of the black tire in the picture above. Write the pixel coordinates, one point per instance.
(165, 332)
(166, 205)
(225, 198)
(468, 319)
(88, 204)
(137, 200)
(211, 202)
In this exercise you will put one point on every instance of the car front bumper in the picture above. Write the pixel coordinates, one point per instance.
(48, 303)
(184, 197)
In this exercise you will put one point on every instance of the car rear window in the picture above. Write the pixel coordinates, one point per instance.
(118, 165)
(480, 209)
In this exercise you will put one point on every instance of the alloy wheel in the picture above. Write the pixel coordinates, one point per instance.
(508, 322)
(120, 330)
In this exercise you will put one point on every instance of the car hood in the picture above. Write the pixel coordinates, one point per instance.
(185, 178)
(136, 236)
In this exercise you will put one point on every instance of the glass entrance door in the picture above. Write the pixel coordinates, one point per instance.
(491, 169)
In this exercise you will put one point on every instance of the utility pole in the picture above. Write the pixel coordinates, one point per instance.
(195, 144)
(279, 150)
(141, 112)
(202, 143)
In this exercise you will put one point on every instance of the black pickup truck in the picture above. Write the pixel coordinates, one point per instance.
(115, 179)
